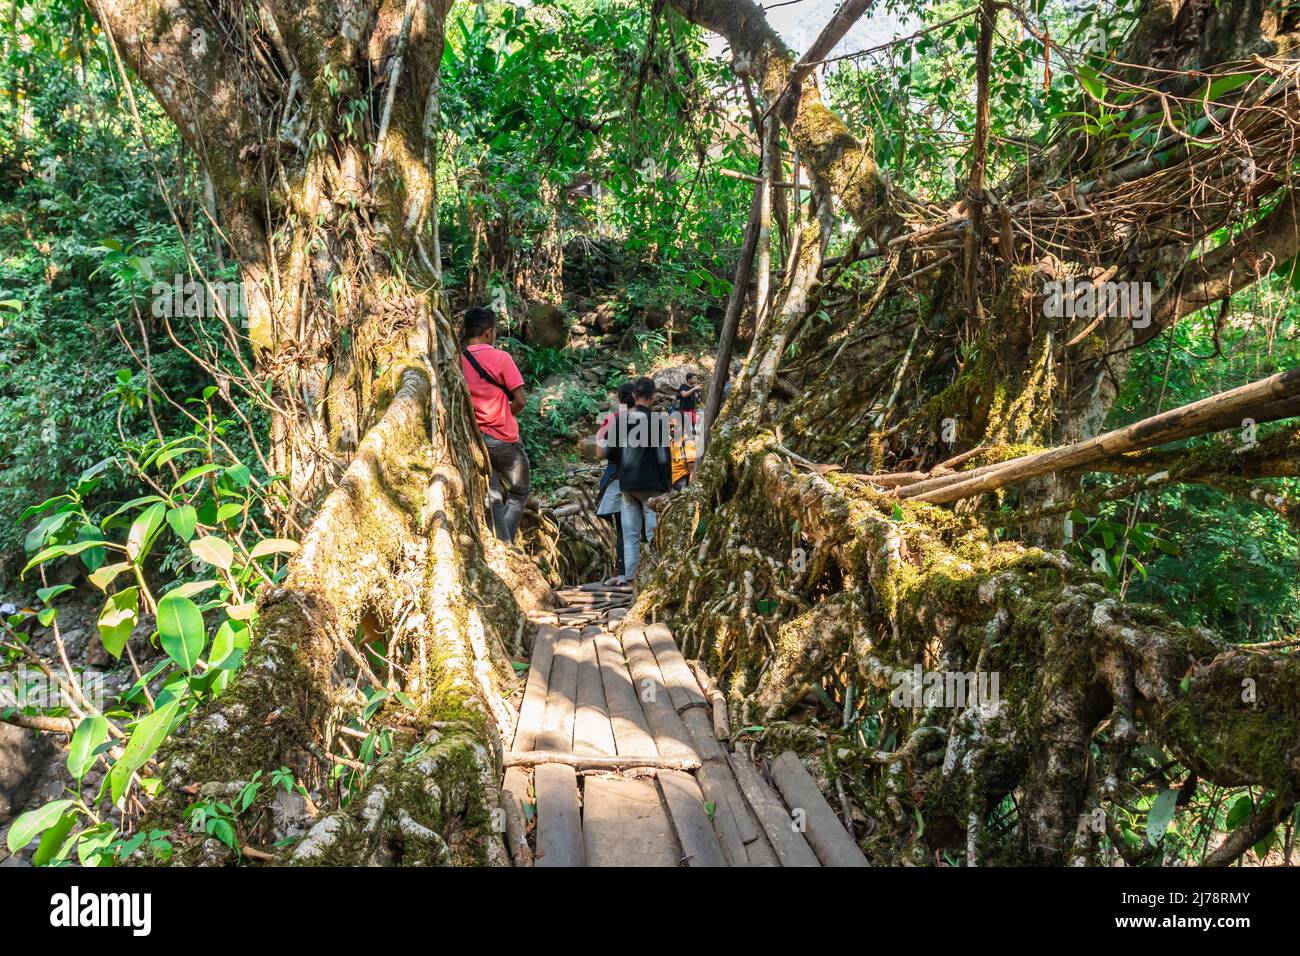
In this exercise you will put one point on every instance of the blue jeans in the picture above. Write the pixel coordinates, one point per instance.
(636, 516)
(509, 467)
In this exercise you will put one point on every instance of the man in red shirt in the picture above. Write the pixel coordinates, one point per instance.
(496, 390)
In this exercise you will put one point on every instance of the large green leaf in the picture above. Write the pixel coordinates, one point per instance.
(33, 823)
(104, 576)
(145, 740)
(216, 551)
(180, 629)
(55, 843)
(91, 843)
(60, 551)
(142, 532)
(90, 733)
(273, 546)
(183, 521)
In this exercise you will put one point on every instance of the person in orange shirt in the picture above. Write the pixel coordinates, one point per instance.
(683, 449)
(496, 390)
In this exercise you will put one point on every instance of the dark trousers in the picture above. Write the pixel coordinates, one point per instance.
(620, 567)
(509, 486)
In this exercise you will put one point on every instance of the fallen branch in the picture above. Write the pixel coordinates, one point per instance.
(46, 725)
(1267, 400)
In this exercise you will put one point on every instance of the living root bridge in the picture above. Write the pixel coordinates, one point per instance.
(1077, 666)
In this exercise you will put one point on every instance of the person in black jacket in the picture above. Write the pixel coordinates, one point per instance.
(639, 447)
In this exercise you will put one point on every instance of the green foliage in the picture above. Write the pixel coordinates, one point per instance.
(1235, 569)
(192, 555)
(917, 95)
(542, 101)
(83, 230)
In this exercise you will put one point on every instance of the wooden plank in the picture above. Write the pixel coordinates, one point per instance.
(682, 688)
(712, 780)
(671, 736)
(534, 704)
(700, 846)
(592, 733)
(822, 828)
(700, 727)
(514, 798)
(627, 720)
(561, 693)
(624, 823)
(790, 846)
(761, 854)
(720, 785)
(733, 821)
(559, 821)
(751, 831)
(536, 758)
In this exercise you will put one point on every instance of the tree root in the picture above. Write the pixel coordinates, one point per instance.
(897, 588)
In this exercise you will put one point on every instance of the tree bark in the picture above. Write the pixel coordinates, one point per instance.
(314, 124)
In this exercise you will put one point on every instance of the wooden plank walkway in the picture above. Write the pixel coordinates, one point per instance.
(619, 759)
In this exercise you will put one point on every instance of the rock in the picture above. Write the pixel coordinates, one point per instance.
(97, 655)
(74, 640)
(24, 755)
(669, 379)
(603, 318)
(546, 327)
(655, 317)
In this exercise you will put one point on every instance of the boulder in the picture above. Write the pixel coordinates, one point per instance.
(604, 317)
(655, 316)
(546, 326)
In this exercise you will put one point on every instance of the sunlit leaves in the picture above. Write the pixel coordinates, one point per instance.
(118, 618)
(215, 551)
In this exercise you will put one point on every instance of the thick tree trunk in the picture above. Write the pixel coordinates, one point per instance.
(314, 123)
